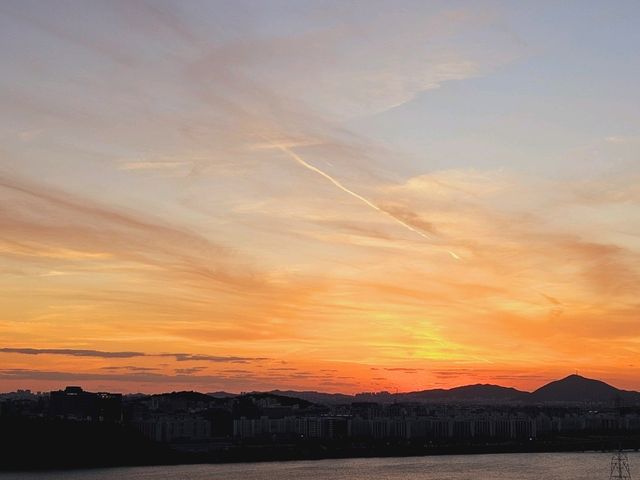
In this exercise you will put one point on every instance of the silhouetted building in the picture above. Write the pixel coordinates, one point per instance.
(327, 427)
(75, 403)
(175, 427)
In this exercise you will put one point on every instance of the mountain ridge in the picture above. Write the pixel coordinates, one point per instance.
(571, 389)
(575, 388)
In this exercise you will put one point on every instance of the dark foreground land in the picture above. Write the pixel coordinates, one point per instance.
(73, 428)
(32, 444)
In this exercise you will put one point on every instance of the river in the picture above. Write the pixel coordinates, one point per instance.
(539, 466)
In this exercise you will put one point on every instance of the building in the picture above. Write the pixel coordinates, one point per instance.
(75, 403)
(174, 428)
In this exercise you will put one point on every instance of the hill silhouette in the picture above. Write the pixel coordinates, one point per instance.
(477, 392)
(571, 389)
(576, 388)
(468, 393)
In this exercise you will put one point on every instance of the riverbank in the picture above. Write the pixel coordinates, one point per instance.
(37, 444)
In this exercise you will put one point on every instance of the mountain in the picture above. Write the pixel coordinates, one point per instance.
(468, 393)
(576, 388)
(280, 398)
(222, 394)
(481, 393)
(572, 389)
(316, 397)
(186, 396)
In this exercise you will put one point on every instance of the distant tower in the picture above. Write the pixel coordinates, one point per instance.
(620, 467)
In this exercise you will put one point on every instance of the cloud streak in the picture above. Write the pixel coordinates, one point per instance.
(180, 357)
(71, 352)
(359, 197)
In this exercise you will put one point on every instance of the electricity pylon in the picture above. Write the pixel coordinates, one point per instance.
(620, 467)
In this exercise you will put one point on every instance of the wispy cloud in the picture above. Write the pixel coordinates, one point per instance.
(93, 231)
(71, 352)
(152, 165)
(184, 357)
(180, 357)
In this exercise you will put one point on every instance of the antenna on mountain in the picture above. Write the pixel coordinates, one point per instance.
(620, 467)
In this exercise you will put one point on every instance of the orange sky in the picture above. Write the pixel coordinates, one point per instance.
(249, 200)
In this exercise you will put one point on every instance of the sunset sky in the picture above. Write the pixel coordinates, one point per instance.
(318, 195)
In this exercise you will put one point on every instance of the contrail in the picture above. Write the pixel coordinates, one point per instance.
(364, 200)
(338, 184)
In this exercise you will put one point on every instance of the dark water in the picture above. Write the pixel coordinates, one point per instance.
(539, 466)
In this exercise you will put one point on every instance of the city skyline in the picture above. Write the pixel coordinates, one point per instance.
(320, 195)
